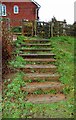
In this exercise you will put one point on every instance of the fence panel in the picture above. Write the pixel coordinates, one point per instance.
(28, 28)
(47, 29)
(43, 29)
(33, 28)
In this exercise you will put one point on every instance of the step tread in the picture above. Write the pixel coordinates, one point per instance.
(41, 60)
(40, 66)
(41, 75)
(30, 87)
(24, 54)
(37, 44)
(42, 40)
(45, 98)
(36, 49)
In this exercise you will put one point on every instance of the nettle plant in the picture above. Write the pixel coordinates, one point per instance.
(19, 41)
(18, 62)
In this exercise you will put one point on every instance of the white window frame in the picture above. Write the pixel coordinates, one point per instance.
(2, 8)
(16, 7)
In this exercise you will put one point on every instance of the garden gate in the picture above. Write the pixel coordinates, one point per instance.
(43, 29)
(33, 28)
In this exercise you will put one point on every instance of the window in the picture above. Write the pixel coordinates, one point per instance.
(2, 10)
(16, 9)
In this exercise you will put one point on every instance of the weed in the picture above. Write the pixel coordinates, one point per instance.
(19, 41)
(18, 62)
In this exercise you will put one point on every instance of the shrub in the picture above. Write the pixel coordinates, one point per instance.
(16, 29)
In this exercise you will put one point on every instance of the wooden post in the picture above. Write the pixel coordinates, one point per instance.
(52, 24)
(49, 29)
(35, 27)
(22, 27)
(32, 28)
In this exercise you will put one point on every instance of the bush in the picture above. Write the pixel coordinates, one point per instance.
(17, 29)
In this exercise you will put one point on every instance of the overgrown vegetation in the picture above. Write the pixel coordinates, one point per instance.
(14, 100)
(63, 47)
(17, 29)
(19, 41)
(18, 62)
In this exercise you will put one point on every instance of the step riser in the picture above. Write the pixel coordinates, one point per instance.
(27, 45)
(40, 63)
(36, 41)
(40, 99)
(39, 70)
(40, 60)
(35, 51)
(38, 56)
(56, 78)
(32, 90)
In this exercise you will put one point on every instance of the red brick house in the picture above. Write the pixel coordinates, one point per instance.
(21, 9)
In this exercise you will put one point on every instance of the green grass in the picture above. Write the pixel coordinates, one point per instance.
(14, 100)
(63, 47)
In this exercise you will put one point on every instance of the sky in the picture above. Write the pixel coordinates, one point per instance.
(61, 9)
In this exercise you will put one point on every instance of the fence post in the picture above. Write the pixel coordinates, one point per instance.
(35, 27)
(49, 29)
(22, 26)
(32, 28)
(0, 26)
(52, 24)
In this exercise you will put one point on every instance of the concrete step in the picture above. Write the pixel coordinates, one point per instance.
(39, 68)
(45, 98)
(51, 55)
(44, 86)
(41, 76)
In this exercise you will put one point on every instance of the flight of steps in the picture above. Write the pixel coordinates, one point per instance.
(41, 71)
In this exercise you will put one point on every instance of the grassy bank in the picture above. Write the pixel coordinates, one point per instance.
(14, 100)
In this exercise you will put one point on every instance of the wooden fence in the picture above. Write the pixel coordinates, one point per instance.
(33, 28)
(70, 30)
(43, 29)
(74, 29)
(58, 28)
(28, 28)
(47, 29)
(36, 28)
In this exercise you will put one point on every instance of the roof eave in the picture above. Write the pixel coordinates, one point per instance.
(36, 3)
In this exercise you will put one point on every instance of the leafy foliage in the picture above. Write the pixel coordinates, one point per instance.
(16, 29)
(19, 41)
(18, 62)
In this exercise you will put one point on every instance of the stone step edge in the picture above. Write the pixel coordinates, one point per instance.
(42, 76)
(44, 86)
(41, 60)
(45, 98)
(39, 66)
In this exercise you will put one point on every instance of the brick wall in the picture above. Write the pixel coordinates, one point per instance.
(27, 10)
